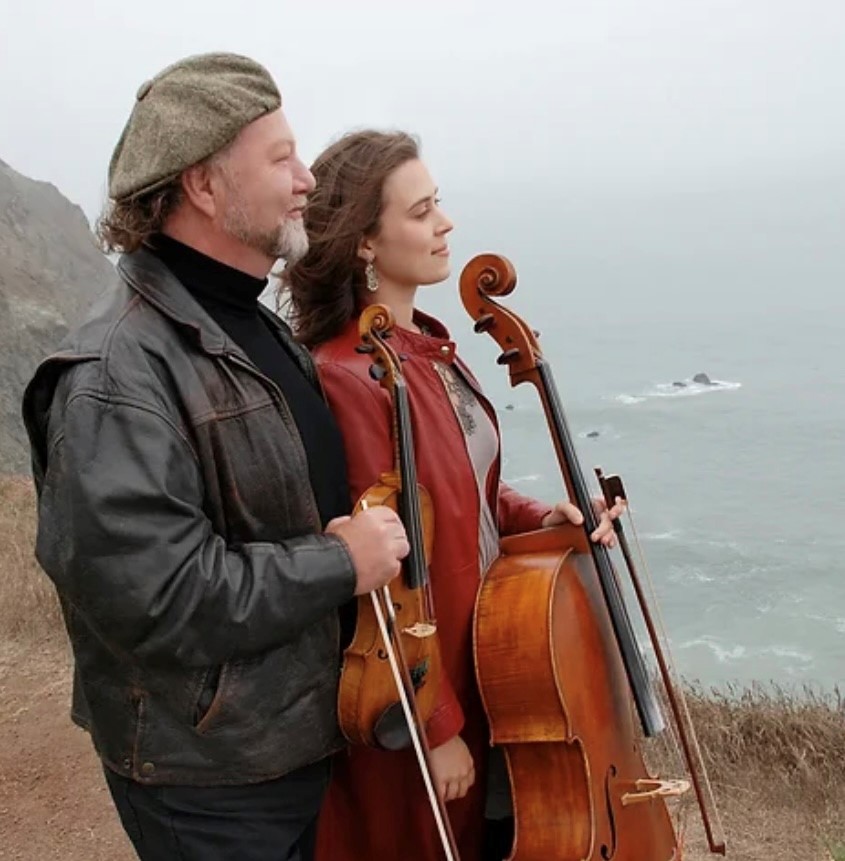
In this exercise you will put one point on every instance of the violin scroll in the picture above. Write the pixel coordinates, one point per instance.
(376, 319)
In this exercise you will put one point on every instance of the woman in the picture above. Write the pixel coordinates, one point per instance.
(376, 233)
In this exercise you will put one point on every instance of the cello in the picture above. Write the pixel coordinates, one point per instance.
(560, 672)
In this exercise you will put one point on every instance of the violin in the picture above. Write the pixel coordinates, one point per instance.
(565, 687)
(392, 668)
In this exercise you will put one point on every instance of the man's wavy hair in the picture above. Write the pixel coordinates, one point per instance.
(322, 290)
(125, 225)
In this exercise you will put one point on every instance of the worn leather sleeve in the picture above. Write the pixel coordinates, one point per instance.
(363, 413)
(124, 537)
(518, 513)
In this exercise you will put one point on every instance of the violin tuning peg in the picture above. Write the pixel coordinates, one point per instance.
(377, 372)
(484, 323)
(508, 356)
(365, 348)
(536, 333)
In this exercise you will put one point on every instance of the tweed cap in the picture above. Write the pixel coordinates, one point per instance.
(186, 113)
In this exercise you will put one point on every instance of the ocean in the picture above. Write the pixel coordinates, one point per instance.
(735, 488)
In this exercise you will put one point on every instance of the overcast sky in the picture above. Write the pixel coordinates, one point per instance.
(717, 126)
(578, 93)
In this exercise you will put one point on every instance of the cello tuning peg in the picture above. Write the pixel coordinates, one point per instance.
(536, 333)
(377, 372)
(484, 323)
(508, 356)
(365, 348)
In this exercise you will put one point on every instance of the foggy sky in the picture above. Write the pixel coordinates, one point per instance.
(622, 134)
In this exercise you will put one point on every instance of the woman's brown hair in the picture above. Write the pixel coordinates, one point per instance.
(325, 285)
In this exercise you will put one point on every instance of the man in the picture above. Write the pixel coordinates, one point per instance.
(192, 497)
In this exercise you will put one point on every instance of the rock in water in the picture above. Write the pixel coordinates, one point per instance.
(50, 272)
(703, 379)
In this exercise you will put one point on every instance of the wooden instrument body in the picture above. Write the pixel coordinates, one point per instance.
(557, 700)
(368, 707)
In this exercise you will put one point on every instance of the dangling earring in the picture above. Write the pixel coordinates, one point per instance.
(372, 278)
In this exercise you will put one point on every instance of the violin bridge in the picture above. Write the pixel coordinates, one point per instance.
(421, 630)
(646, 790)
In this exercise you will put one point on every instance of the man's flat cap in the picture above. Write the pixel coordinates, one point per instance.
(185, 114)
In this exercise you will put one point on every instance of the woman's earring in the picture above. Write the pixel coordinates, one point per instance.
(372, 278)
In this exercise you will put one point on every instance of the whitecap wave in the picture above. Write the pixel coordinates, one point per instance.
(688, 388)
(726, 654)
(519, 479)
(789, 652)
(691, 389)
(723, 654)
(671, 535)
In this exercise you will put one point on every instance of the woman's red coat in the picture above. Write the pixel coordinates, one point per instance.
(376, 808)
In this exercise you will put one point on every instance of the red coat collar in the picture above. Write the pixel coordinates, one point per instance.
(436, 343)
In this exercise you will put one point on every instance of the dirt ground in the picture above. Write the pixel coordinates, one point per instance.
(53, 800)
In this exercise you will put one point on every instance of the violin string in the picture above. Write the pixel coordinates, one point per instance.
(403, 685)
(412, 727)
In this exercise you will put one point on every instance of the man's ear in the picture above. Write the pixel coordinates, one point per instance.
(199, 186)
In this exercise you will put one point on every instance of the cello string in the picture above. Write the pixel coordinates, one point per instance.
(692, 737)
(491, 275)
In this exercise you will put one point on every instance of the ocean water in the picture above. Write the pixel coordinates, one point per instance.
(735, 488)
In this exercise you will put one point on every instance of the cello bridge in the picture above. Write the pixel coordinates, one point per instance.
(646, 790)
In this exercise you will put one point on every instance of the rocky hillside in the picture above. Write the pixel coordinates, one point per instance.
(50, 271)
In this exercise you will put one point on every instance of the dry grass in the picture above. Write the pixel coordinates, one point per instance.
(776, 760)
(796, 737)
(776, 757)
(28, 605)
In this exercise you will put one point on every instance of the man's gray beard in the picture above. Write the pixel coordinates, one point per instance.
(293, 241)
(289, 241)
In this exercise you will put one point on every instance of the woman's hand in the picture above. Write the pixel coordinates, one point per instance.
(566, 512)
(454, 770)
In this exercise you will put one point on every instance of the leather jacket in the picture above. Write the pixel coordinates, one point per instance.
(177, 523)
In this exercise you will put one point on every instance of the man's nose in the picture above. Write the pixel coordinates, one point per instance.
(304, 178)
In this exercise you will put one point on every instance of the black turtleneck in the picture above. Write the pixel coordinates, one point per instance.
(230, 298)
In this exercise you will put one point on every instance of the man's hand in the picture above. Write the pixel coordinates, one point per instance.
(377, 543)
(566, 512)
(453, 769)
